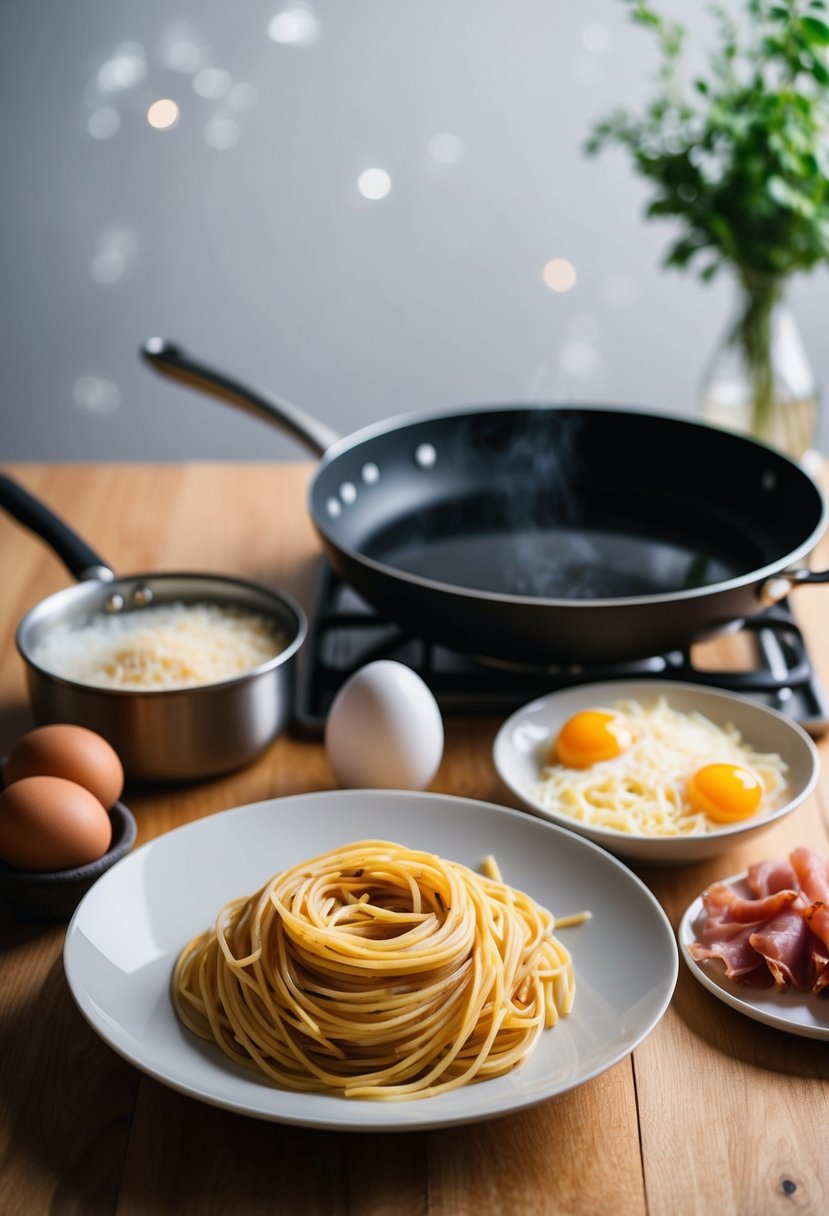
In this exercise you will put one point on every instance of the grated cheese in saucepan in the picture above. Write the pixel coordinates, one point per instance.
(163, 647)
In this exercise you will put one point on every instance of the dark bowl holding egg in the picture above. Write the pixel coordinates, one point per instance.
(522, 748)
(62, 822)
(53, 895)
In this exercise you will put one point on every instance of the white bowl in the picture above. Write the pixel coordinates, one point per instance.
(522, 743)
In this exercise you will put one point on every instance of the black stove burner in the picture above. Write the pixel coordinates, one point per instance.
(345, 633)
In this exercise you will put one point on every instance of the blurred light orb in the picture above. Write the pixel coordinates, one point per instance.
(579, 359)
(296, 25)
(445, 148)
(221, 131)
(107, 267)
(114, 256)
(179, 50)
(104, 122)
(123, 70)
(559, 274)
(212, 83)
(374, 184)
(96, 395)
(597, 38)
(182, 57)
(163, 114)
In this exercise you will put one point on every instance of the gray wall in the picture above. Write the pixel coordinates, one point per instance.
(241, 231)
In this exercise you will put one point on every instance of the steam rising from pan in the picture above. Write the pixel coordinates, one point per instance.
(549, 525)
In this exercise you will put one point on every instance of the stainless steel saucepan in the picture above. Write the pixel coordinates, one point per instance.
(167, 734)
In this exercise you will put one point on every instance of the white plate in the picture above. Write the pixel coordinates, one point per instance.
(797, 1012)
(126, 934)
(523, 740)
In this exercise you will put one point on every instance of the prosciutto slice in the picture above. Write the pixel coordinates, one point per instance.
(772, 929)
(813, 873)
(730, 942)
(791, 953)
(748, 911)
(766, 877)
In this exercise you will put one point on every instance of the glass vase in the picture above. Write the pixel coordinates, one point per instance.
(760, 382)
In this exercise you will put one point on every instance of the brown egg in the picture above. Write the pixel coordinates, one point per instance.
(72, 752)
(48, 823)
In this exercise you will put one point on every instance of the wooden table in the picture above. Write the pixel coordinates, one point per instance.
(712, 1114)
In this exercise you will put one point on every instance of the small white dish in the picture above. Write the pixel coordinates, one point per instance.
(799, 1013)
(521, 744)
(127, 933)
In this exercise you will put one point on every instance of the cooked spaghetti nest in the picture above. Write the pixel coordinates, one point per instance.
(377, 971)
(642, 791)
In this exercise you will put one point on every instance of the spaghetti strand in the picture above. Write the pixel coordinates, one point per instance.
(377, 971)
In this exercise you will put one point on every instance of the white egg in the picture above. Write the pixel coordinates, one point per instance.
(384, 729)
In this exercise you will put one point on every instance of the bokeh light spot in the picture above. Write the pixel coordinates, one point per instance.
(597, 38)
(374, 183)
(180, 50)
(163, 114)
(103, 123)
(114, 256)
(96, 395)
(445, 148)
(212, 83)
(296, 25)
(559, 274)
(123, 70)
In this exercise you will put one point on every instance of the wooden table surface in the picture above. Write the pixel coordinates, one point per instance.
(713, 1113)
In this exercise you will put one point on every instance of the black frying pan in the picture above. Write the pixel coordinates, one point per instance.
(545, 534)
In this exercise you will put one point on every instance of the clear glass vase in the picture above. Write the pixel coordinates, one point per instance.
(760, 382)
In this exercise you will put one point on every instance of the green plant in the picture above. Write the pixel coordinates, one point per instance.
(739, 155)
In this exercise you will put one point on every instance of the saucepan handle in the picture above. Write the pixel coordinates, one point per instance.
(171, 360)
(81, 561)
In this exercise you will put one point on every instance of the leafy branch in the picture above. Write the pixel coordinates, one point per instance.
(739, 156)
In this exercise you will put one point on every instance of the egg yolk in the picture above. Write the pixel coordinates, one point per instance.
(724, 792)
(591, 736)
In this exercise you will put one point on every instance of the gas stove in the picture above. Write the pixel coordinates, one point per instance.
(345, 633)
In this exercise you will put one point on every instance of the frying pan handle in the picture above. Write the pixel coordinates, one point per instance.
(174, 362)
(776, 589)
(76, 555)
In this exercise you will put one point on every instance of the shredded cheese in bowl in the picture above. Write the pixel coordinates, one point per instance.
(643, 790)
(166, 646)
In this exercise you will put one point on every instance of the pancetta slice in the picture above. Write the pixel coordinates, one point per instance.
(772, 928)
(766, 877)
(813, 874)
(792, 953)
(737, 954)
(748, 911)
